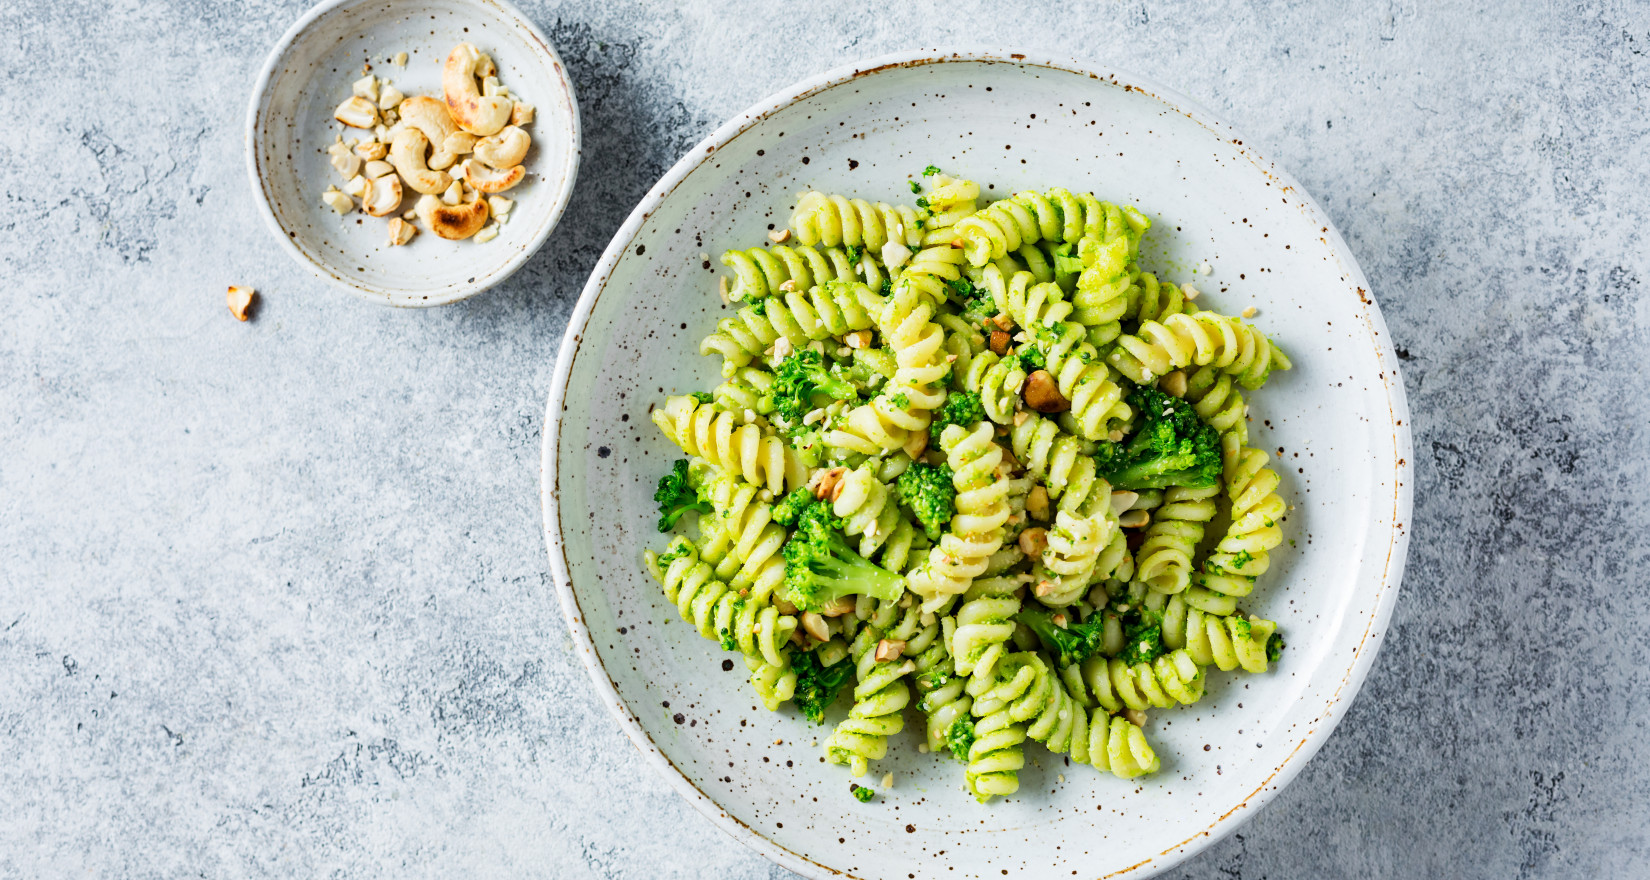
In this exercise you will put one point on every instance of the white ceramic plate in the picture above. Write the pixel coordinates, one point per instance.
(290, 125)
(1014, 122)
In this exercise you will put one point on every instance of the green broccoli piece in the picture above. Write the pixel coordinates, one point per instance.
(915, 186)
(1243, 557)
(725, 634)
(703, 397)
(817, 686)
(820, 567)
(790, 508)
(929, 494)
(922, 202)
(932, 680)
(1274, 647)
(1171, 446)
(759, 308)
(678, 548)
(856, 252)
(930, 171)
(960, 408)
(1142, 638)
(1032, 358)
(862, 793)
(1069, 644)
(887, 287)
(676, 496)
(959, 738)
(799, 378)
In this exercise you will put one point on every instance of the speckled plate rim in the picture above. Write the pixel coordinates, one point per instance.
(387, 296)
(1398, 419)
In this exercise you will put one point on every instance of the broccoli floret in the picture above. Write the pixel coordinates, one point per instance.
(959, 738)
(922, 202)
(862, 793)
(676, 496)
(887, 287)
(915, 186)
(1069, 644)
(932, 680)
(816, 685)
(1274, 647)
(790, 508)
(703, 397)
(820, 567)
(1142, 638)
(1171, 446)
(960, 408)
(1243, 557)
(798, 378)
(760, 307)
(930, 171)
(856, 252)
(678, 548)
(929, 494)
(1032, 358)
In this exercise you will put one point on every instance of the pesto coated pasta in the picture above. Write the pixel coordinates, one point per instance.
(970, 460)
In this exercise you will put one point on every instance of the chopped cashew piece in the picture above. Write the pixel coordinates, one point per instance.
(359, 186)
(1032, 542)
(1135, 717)
(1122, 500)
(779, 236)
(889, 649)
(500, 205)
(459, 143)
(1174, 383)
(372, 150)
(858, 339)
(491, 88)
(1043, 395)
(454, 194)
(475, 113)
(378, 168)
(811, 621)
(1190, 291)
(240, 301)
(485, 67)
(389, 97)
(383, 196)
(999, 342)
(489, 233)
(1250, 312)
(337, 201)
(346, 163)
(1134, 519)
(367, 87)
(401, 231)
(400, 59)
(894, 255)
(1037, 503)
(357, 112)
(521, 114)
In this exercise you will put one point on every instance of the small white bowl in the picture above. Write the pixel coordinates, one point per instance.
(289, 127)
(1337, 424)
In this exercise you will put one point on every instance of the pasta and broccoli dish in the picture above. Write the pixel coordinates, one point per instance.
(969, 463)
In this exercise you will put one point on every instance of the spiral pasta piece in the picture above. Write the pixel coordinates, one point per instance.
(996, 755)
(985, 621)
(749, 388)
(870, 511)
(718, 612)
(880, 698)
(907, 325)
(1174, 677)
(1223, 641)
(1217, 403)
(1068, 563)
(740, 538)
(1097, 406)
(717, 436)
(1120, 748)
(1058, 460)
(760, 272)
(826, 311)
(1039, 698)
(1201, 338)
(1151, 300)
(1243, 554)
(1004, 226)
(977, 528)
(1101, 295)
(950, 200)
(835, 220)
(997, 380)
(1085, 216)
(1163, 561)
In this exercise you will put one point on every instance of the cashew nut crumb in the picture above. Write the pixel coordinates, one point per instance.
(1135, 717)
(1037, 503)
(1033, 542)
(1043, 395)
(240, 301)
(400, 59)
(1175, 383)
(779, 236)
(401, 231)
(887, 781)
(889, 649)
(858, 339)
(1250, 312)
(1134, 519)
(1122, 500)
(1190, 292)
(722, 289)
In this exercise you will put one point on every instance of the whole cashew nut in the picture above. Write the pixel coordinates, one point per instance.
(505, 149)
(483, 178)
(474, 113)
(432, 120)
(453, 222)
(407, 155)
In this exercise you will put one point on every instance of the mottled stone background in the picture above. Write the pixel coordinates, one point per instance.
(273, 596)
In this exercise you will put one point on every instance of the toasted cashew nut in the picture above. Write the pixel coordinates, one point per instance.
(491, 180)
(357, 112)
(430, 117)
(407, 155)
(475, 114)
(384, 196)
(453, 222)
(505, 149)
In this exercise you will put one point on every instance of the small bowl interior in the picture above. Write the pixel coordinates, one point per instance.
(292, 126)
(1334, 426)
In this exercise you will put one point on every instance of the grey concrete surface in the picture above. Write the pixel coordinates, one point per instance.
(273, 600)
